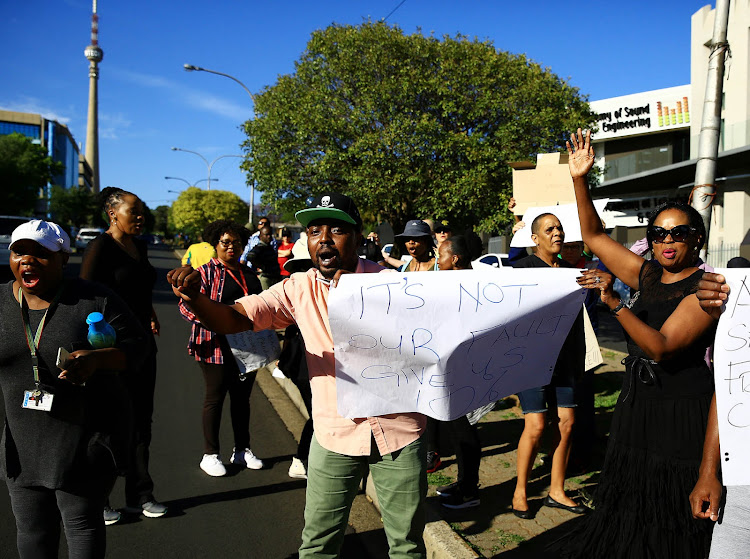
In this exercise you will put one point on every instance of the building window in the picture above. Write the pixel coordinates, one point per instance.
(644, 153)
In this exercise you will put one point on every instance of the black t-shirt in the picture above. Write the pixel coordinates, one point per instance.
(572, 359)
(106, 262)
(58, 449)
(232, 288)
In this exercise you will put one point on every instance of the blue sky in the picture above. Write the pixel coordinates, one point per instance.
(148, 103)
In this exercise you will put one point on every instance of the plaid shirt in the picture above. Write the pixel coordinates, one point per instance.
(204, 344)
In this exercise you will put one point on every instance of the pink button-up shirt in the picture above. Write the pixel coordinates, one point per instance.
(303, 300)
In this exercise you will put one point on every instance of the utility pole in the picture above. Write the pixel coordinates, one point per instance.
(708, 141)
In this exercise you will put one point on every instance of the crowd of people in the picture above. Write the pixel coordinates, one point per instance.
(660, 486)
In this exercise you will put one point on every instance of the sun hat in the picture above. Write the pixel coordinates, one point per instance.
(50, 235)
(416, 228)
(300, 260)
(442, 228)
(331, 205)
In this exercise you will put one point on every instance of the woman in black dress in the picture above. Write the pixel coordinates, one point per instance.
(119, 260)
(659, 423)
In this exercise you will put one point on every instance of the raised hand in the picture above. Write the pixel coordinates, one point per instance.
(581, 154)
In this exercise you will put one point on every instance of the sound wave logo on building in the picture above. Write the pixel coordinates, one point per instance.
(642, 113)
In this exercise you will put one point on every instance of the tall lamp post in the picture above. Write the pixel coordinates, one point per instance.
(208, 165)
(186, 182)
(191, 68)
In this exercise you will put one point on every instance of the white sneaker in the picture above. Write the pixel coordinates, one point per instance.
(297, 469)
(246, 458)
(211, 464)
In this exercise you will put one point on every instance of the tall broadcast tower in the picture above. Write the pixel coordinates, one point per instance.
(94, 54)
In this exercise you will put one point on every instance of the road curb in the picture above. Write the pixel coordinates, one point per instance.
(439, 538)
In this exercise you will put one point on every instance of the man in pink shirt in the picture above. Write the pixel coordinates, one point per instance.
(342, 449)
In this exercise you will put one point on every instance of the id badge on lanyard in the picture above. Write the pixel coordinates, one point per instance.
(36, 398)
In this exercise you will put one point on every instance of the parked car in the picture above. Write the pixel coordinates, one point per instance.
(7, 224)
(86, 235)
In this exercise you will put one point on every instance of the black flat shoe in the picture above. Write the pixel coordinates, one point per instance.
(576, 509)
(524, 514)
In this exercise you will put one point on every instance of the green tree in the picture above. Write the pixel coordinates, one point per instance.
(25, 168)
(196, 208)
(408, 125)
(75, 207)
(161, 220)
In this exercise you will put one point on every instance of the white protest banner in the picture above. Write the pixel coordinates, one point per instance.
(253, 350)
(446, 343)
(732, 378)
(566, 213)
(593, 351)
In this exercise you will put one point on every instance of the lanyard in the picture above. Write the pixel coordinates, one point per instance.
(32, 340)
(243, 285)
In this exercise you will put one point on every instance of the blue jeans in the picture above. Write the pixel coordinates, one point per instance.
(333, 479)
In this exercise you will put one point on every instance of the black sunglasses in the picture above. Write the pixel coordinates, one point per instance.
(679, 234)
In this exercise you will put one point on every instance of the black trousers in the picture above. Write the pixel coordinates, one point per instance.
(38, 512)
(220, 380)
(139, 487)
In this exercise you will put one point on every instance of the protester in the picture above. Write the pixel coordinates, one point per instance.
(254, 239)
(63, 442)
(119, 260)
(731, 537)
(199, 253)
(454, 254)
(442, 232)
(284, 251)
(225, 280)
(390, 445)
(264, 258)
(556, 399)
(419, 245)
(659, 423)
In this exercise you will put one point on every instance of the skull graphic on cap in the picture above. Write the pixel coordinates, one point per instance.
(325, 200)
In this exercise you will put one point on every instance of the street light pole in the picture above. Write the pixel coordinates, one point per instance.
(209, 165)
(186, 182)
(192, 68)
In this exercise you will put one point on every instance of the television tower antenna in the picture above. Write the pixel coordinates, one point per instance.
(94, 54)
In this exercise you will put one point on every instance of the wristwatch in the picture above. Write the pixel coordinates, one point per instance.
(622, 304)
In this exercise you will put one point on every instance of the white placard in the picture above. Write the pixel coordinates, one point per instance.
(446, 343)
(253, 350)
(732, 378)
(593, 351)
(566, 213)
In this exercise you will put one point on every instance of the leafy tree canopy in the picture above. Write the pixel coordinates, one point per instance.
(407, 125)
(195, 208)
(25, 167)
(75, 207)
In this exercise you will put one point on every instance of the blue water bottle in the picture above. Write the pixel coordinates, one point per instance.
(101, 334)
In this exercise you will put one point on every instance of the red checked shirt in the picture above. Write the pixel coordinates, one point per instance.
(303, 300)
(204, 344)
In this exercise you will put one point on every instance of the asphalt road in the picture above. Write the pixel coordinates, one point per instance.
(247, 513)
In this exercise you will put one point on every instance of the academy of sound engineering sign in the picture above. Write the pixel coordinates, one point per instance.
(642, 113)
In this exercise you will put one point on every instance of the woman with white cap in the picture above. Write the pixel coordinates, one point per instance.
(61, 446)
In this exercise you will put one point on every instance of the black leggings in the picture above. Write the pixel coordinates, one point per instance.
(38, 512)
(221, 379)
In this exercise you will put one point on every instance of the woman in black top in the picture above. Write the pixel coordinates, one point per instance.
(659, 422)
(557, 398)
(60, 463)
(119, 260)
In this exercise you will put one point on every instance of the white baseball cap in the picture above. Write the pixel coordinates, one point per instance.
(50, 235)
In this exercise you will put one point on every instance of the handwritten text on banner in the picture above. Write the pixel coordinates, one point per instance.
(732, 379)
(446, 343)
